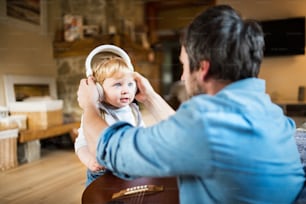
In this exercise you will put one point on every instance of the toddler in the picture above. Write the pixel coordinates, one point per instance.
(112, 69)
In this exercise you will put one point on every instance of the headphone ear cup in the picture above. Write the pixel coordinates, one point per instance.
(136, 90)
(100, 92)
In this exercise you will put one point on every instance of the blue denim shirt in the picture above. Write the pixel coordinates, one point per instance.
(234, 147)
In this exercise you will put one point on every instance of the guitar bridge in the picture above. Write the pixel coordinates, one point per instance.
(143, 189)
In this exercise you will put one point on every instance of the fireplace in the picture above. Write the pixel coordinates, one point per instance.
(20, 87)
(34, 97)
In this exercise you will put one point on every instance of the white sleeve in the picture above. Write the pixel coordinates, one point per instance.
(80, 141)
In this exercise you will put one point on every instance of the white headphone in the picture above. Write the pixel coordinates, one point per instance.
(106, 48)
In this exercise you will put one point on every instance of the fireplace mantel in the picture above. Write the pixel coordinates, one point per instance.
(82, 47)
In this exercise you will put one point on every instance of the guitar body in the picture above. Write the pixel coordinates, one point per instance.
(102, 189)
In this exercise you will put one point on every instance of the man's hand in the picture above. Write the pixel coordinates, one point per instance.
(145, 89)
(87, 93)
(156, 105)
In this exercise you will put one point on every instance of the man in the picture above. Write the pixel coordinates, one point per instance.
(227, 144)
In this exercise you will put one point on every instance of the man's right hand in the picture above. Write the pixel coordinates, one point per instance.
(145, 90)
(87, 93)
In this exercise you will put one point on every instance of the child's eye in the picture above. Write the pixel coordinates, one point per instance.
(131, 84)
(117, 84)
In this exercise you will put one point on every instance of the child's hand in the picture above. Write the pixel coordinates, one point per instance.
(93, 165)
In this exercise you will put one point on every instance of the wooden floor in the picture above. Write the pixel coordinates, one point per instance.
(58, 177)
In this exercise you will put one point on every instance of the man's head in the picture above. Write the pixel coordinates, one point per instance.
(231, 47)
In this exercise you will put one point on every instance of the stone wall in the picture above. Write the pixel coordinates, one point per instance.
(105, 13)
(70, 72)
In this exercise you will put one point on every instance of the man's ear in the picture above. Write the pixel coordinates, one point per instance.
(203, 70)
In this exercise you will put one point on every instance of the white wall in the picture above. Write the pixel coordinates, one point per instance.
(25, 49)
(283, 75)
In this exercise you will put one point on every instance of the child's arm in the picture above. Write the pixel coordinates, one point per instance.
(88, 159)
(82, 151)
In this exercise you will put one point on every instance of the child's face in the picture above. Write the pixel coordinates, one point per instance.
(119, 91)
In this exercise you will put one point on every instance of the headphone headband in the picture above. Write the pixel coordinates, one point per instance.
(107, 48)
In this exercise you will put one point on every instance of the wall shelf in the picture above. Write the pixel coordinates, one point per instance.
(80, 47)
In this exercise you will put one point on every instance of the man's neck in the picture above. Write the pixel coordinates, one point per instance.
(213, 86)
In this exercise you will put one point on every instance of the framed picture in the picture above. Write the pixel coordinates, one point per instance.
(29, 13)
(73, 27)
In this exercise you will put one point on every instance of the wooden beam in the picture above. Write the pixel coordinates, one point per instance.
(30, 135)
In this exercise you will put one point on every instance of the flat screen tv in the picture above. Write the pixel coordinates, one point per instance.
(284, 36)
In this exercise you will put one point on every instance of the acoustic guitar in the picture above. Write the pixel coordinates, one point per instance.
(109, 189)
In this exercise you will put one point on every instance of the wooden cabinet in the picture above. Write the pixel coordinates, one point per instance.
(293, 108)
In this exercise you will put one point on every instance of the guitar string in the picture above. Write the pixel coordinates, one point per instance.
(142, 197)
(131, 200)
(139, 198)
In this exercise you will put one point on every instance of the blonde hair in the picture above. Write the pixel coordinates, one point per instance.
(108, 64)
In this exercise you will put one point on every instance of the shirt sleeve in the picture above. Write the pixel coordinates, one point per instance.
(80, 141)
(164, 149)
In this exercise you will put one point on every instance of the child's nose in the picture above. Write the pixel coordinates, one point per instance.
(125, 89)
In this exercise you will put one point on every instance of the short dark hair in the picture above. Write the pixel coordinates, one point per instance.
(233, 46)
